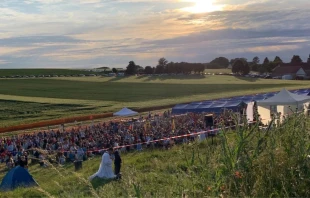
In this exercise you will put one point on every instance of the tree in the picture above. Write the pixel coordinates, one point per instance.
(240, 67)
(139, 69)
(162, 62)
(263, 68)
(270, 66)
(254, 64)
(277, 60)
(255, 60)
(296, 59)
(131, 69)
(254, 67)
(232, 61)
(308, 61)
(114, 70)
(170, 68)
(160, 69)
(220, 62)
(148, 70)
(266, 61)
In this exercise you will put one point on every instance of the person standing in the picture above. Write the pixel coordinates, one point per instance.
(117, 163)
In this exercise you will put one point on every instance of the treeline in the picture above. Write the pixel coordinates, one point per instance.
(238, 65)
(243, 66)
(165, 67)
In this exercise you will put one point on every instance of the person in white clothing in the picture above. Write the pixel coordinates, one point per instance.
(105, 169)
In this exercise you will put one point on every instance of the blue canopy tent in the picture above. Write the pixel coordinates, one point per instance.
(260, 97)
(17, 177)
(303, 92)
(233, 103)
(268, 95)
(208, 106)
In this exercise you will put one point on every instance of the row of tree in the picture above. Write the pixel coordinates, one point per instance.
(239, 65)
(165, 67)
(242, 66)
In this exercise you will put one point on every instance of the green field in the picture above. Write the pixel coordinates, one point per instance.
(214, 71)
(30, 100)
(243, 163)
(36, 72)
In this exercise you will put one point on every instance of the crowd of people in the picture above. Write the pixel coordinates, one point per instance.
(82, 142)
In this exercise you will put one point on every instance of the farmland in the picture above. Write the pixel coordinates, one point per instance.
(31, 100)
(243, 163)
(37, 72)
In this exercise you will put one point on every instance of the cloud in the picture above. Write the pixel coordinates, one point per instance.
(88, 33)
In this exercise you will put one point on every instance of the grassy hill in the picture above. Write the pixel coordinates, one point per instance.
(30, 100)
(242, 163)
(36, 72)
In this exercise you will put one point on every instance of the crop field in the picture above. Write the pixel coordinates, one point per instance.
(36, 72)
(241, 163)
(30, 100)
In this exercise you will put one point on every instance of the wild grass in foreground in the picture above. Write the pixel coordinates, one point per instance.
(248, 162)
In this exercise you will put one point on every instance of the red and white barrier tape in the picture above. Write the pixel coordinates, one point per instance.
(162, 139)
(154, 141)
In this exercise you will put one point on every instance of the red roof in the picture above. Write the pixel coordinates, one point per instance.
(285, 70)
(304, 65)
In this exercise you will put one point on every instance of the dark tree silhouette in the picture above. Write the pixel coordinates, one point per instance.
(114, 70)
(220, 62)
(296, 59)
(131, 69)
(148, 70)
(266, 61)
(277, 60)
(162, 62)
(255, 60)
(240, 67)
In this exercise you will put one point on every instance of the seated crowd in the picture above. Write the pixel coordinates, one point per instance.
(82, 142)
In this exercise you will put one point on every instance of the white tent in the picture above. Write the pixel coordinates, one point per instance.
(284, 102)
(125, 112)
(285, 97)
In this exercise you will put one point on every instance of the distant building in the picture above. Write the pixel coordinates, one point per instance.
(294, 70)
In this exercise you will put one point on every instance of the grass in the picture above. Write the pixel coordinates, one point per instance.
(214, 71)
(241, 163)
(30, 100)
(36, 72)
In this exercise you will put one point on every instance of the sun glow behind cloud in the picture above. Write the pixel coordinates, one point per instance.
(202, 6)
(88, 33)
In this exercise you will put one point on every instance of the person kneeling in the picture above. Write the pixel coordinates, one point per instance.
(105, 169)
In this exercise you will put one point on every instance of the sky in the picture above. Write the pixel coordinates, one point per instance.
(110, 33)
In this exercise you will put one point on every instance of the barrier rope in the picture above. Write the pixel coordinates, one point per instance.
(148, 142)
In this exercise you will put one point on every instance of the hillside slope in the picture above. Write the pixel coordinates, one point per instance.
(248, 162)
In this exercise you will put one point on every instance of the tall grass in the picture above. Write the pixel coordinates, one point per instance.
(246, 162)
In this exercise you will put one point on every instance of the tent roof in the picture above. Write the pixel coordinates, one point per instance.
(272, 98)
(125, 112)
(17, 177)
(284, 97)
(207, 106)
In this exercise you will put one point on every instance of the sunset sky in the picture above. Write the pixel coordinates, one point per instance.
(95, 33)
